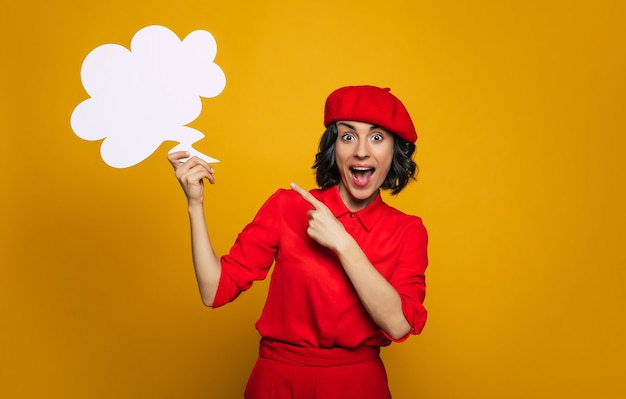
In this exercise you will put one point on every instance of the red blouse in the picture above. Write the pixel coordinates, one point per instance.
(311, 302)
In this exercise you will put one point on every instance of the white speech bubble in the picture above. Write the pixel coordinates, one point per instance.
(144, 96)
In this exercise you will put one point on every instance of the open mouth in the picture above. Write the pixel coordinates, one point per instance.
(361, 176)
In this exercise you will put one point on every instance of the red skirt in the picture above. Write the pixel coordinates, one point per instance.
(288, 372)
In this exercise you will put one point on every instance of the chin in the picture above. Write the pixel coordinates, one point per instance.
(362, 194)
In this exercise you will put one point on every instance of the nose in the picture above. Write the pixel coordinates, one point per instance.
(362, 150)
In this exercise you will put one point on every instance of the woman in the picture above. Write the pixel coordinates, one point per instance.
(348, 269)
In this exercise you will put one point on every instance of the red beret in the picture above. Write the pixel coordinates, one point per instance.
(372, 105)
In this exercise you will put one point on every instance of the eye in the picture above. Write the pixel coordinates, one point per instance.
(377, 137)
(347, 137)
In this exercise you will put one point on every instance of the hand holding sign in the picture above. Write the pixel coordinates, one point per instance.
(191, 173)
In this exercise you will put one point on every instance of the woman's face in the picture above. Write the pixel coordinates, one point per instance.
(364, 154)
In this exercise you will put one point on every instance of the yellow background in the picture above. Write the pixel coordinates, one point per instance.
(520, 111)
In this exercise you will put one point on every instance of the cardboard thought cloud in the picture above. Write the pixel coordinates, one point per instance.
(144, 96)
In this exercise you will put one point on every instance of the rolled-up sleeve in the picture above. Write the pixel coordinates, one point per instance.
(251, 256)
(409, 278)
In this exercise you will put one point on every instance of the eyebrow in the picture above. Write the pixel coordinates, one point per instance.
(373, 127)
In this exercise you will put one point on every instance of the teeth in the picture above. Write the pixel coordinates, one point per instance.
(362, 169)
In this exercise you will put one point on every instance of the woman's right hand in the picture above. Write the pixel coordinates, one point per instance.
(191, 174)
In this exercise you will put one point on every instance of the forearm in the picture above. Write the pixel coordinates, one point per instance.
(380, 298)
(206, 263)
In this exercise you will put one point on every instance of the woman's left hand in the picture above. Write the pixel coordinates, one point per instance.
(323, 225)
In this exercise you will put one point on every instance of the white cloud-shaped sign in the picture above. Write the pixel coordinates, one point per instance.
(146, 95)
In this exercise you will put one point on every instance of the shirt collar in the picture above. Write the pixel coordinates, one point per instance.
(368, 216)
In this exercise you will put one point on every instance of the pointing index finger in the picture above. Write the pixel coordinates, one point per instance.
(308, 197)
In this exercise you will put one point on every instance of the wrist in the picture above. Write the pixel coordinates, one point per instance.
(195, 206)
(344, 245)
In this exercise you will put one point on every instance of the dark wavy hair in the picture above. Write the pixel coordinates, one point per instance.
(403, 168)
